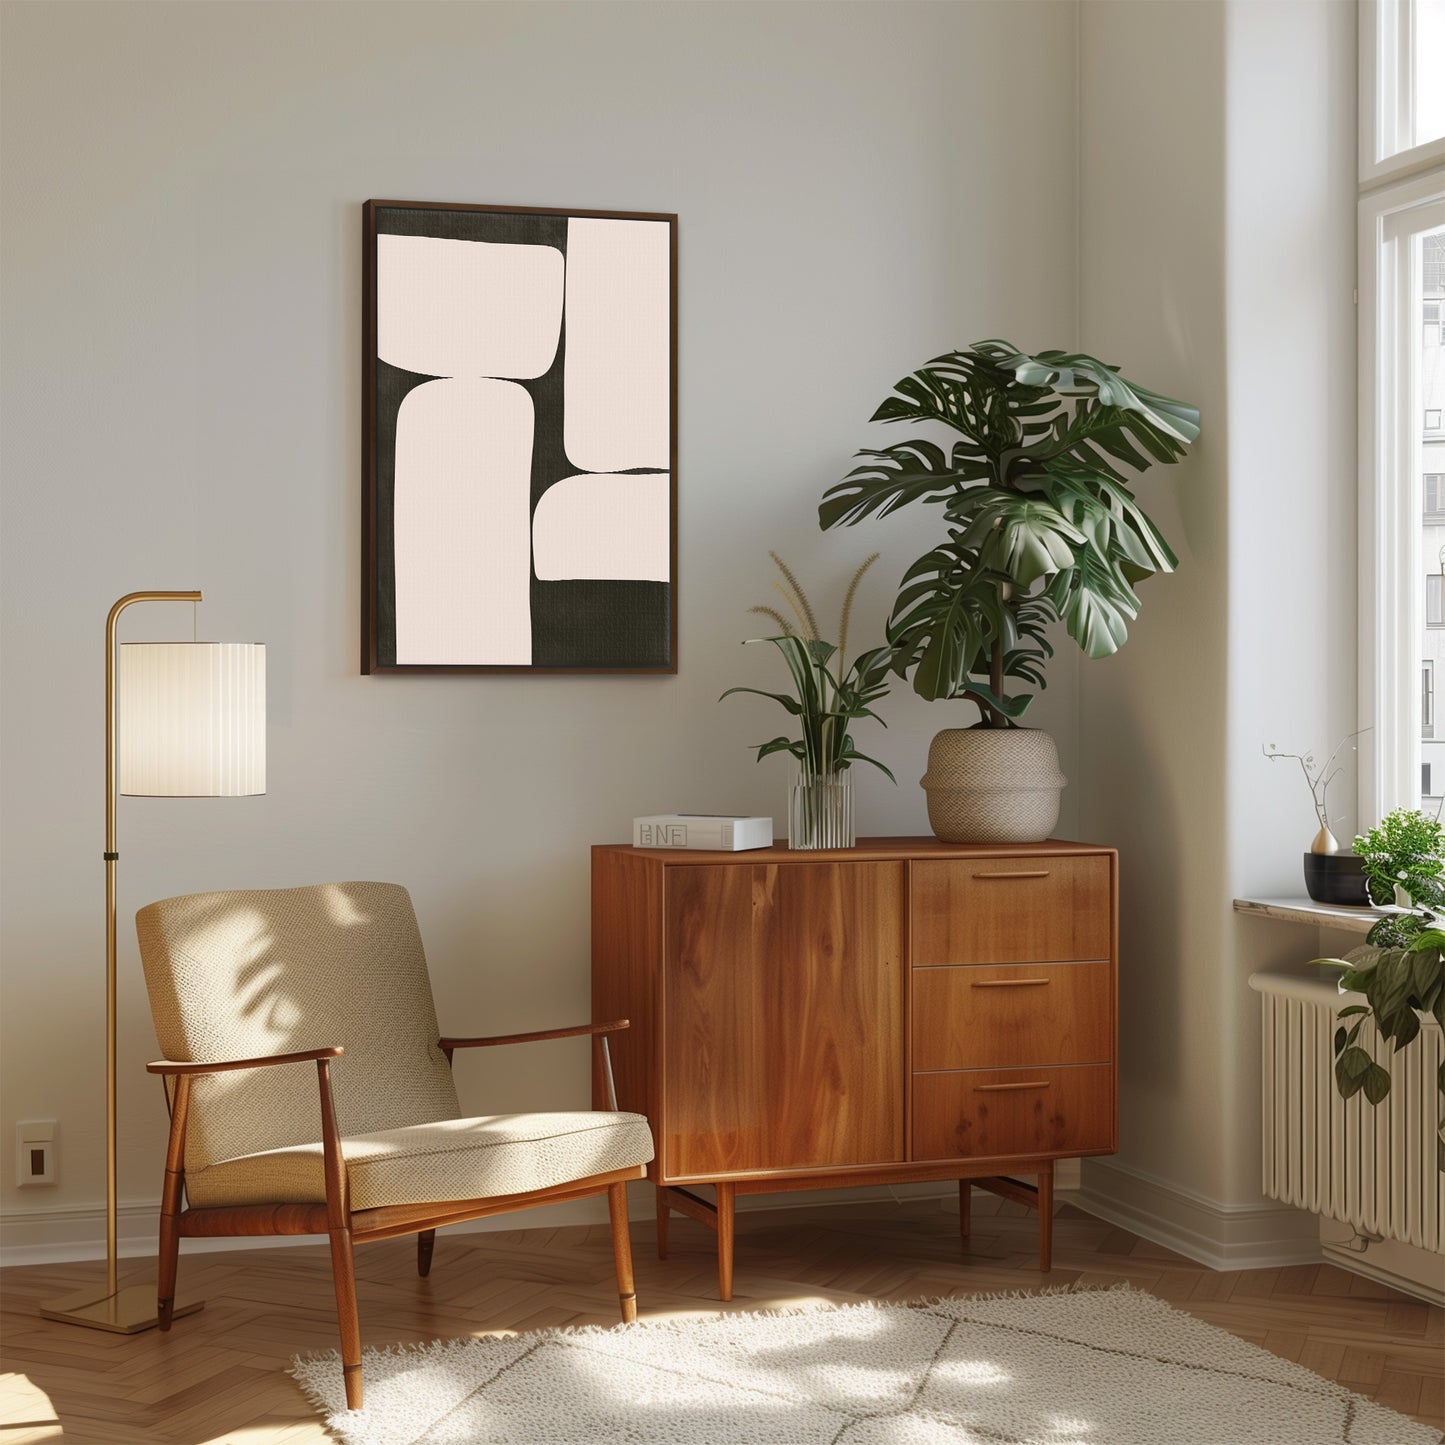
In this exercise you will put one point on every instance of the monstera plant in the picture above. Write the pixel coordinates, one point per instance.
(1039, 521)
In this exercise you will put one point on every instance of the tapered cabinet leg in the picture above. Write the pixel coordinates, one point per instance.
(664, 1213)
(965, 1207)
(343, 1271)
(425, 1243)
(622, 1250)
(725, 1213)
(1046, 1217)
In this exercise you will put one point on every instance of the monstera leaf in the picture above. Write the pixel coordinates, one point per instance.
(916, 471)
(1096, 604)
(1023, 537)
(949, 617)
(1041, 522)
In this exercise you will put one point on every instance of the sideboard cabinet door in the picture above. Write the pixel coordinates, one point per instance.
(783, 1007)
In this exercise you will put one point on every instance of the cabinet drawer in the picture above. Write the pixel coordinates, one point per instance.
(983, 1113)
(984, 1017)
(1011, 910)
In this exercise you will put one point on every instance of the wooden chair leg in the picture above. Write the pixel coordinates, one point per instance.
(343, 1271)
(172, 1192)
(170, 1249)
(425, 1243)
(725, 1214)
(965, 1207)
(1046, 1217)
(622, 1250)
(664, 1214)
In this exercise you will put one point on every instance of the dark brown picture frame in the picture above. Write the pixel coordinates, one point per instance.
(631, 624)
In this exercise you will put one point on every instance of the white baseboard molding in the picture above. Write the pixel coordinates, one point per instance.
(77, 1232)
(1222, 1236)
(1403, 1267)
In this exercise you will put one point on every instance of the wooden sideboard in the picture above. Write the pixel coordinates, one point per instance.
(905, 1010)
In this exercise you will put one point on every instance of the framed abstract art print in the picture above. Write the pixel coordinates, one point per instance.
(520, 440)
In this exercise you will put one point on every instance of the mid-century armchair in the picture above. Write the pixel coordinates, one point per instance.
(250, 989)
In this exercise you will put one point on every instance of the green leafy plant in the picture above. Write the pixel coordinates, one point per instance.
(1399, 970)
(1040, 522)
(825, 702)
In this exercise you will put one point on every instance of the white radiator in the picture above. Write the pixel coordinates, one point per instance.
(1371, 1167)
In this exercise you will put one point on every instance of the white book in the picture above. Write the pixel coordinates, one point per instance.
(715, 832)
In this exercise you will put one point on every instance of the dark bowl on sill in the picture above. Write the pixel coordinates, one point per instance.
(1336, 878)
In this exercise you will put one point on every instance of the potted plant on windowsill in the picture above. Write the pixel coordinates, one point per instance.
(1400, 970)
(1039, 525)
(1331, 875)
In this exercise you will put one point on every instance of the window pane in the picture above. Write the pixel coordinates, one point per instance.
(1430, 300)
(1429, 66)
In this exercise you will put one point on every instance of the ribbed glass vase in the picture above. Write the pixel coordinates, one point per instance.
(820, 810)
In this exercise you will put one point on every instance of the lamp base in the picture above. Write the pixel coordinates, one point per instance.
(126, 1312)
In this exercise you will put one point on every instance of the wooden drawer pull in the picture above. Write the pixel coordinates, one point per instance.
(999, 1088)
(1009, 982)
(1044, 874)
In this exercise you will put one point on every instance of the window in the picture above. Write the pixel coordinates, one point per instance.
(1435, 498)
(1402, 99)
(1402, 396)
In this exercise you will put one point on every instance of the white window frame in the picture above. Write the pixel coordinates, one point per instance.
(1392, 600)
(1387, 95)
(1401, 193)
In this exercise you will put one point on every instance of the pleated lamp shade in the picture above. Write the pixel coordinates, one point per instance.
(192, 719)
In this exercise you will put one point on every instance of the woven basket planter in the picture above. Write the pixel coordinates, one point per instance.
(993, 785)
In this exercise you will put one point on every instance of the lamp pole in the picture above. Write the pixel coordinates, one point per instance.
(127, 1311)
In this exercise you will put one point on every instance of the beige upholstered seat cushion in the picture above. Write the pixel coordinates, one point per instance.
(432, 1163)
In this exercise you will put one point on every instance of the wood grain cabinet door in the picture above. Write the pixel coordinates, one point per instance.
(783, 1007)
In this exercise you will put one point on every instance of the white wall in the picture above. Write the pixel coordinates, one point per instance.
(1217, 242)
(859, 186)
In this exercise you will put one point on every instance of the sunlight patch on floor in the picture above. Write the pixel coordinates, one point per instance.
(26, 1415)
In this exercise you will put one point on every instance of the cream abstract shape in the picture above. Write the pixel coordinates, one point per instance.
(604, 527)
(467, 308)
(617, 382)
(462, 529)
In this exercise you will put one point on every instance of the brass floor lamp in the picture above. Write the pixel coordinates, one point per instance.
(192, 723)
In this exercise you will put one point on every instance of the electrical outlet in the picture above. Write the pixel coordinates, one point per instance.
(35, 1151)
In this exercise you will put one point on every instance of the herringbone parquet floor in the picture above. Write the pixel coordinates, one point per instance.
(217, 1378)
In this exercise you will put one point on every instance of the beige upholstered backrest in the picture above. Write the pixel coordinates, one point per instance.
(239, 975)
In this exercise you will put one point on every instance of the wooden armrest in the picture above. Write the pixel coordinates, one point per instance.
(581, 1030)
(170, 1066)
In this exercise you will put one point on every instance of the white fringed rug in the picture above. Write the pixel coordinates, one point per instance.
(1092, 1367)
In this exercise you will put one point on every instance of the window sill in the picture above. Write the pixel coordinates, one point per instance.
(1306, 910)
